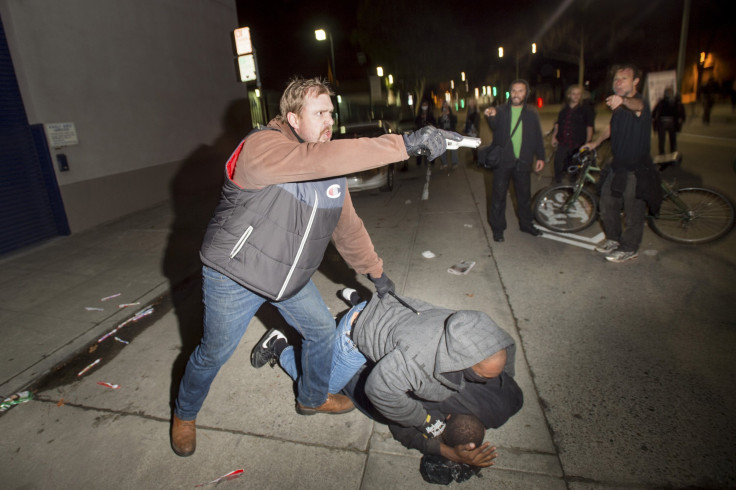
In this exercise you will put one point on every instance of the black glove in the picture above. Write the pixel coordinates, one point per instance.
(383, 285)
(432, 427)
(429, 141)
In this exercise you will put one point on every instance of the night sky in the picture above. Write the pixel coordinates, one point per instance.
(646, 33)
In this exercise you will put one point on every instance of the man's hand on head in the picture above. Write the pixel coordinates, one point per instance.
(467, 453)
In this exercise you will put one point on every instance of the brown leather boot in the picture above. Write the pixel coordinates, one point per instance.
(335, 404)
(183, 436)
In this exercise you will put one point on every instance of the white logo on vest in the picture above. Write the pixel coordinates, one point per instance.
(333, 192)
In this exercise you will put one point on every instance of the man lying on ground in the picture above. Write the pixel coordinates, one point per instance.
(412, 370)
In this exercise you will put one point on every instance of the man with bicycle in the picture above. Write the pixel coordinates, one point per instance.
(627, 183)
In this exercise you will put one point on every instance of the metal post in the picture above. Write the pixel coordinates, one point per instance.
(683, 45)
(332, 54)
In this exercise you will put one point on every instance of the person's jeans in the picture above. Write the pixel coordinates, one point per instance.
(228, 309)
(346, 360)
(635, 211)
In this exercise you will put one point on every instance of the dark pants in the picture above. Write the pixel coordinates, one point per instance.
(667, 127)
(494, 402)
(563, 160)
(522, 185)
(629, 237)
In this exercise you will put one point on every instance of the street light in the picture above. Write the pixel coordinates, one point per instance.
(500, 52)
(322, 35)
(379, 71)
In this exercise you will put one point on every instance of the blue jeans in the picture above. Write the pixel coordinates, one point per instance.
(228, 309)
(346, 360)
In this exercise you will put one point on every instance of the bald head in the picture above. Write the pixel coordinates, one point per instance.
(492, 366)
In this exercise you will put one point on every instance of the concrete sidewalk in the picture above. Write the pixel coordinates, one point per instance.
(77, 433)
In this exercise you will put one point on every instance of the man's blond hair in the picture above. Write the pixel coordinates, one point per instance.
(573, 87)
(292, 100)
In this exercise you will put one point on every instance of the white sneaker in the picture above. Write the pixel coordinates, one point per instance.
(607, 246)
(619, 256)
(351, 296)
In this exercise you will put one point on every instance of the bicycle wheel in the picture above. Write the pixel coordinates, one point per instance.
(551, 212)
(701, 216)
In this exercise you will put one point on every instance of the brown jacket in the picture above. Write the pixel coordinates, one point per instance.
(277, 157)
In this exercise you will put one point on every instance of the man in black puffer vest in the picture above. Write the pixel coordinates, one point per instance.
(282, 202)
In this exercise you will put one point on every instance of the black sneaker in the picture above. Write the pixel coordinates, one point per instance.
(533, 231)
(265, 351)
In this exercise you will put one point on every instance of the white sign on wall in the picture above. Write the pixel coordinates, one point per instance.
(243, 44)
(61, 134)
(657, 82)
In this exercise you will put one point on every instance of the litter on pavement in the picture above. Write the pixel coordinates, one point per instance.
(461, 268)
(108, 385)
(230, 476)
(428, 255)
(17, 399)
(80, 373)
(111, 297)
(125, 305)
(134, 318)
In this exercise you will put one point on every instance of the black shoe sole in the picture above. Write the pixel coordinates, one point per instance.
(313, 411)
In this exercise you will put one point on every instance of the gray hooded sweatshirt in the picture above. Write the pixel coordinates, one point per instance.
(421, 356)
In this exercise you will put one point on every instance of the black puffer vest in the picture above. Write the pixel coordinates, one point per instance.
(272, 240)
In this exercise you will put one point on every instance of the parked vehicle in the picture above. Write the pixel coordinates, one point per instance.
(378, 178)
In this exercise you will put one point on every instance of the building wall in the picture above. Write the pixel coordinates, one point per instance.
(145, 83)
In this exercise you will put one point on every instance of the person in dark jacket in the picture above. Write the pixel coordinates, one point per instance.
(521, 152)
(283, 200)
(629, 184)
(667, 118)
(424, 118)
(448, 122)
(573, 128)
(472, 124)
(412, 371)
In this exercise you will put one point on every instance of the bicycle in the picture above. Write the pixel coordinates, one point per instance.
(692, 215)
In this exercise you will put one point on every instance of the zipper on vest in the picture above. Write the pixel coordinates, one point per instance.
(301, 245)
(241, 242)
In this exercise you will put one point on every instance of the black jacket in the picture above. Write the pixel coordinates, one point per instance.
(532, 142)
